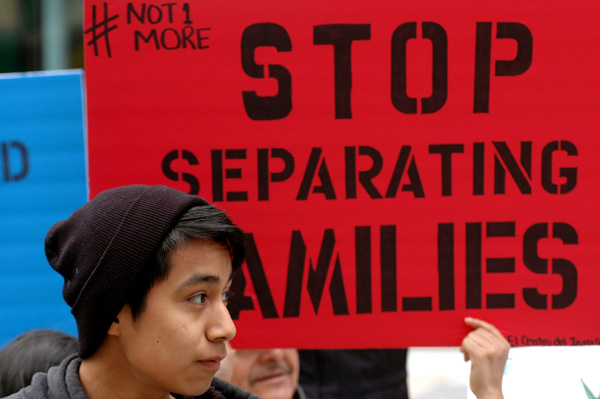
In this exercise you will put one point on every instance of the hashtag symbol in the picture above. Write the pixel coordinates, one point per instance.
(101, 29)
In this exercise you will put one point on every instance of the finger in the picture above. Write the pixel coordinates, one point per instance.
(483, 338)
(466, 356)
(477, 323)
(472, 345)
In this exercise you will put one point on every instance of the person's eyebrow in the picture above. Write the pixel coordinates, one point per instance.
(196, 279)
(200, 278)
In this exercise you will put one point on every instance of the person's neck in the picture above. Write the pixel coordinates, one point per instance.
(106, 375)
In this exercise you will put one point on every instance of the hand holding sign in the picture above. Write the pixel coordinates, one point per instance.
(487, 350)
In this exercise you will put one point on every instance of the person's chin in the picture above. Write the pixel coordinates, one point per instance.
(199, 387)
(274, 391)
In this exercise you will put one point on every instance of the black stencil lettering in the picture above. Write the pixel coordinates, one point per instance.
(522, 180)
(326, 186)
(439, 73)
(446, 151)
(295, 277)
(268, 107)
(500, 301)
(446, 265)
(398, 172)
(259, 279)
(235, 173)
(263, 170)
(478, 168)
(186, 177)
(473, 257)
(570, 174)
(341, 37)
(318, 274)
(401, 101)
(336, 290)
(483, 59)
(362, 254)
(389, 290)
(415, 186)
(565, 268)
(413, 304)
(364, 177)
(316, 277)
(217, 174)
(500, 265)
(500, 229)
(534, 263)
(350, 157)
(413, 173)
(522, 35)
(506, 30)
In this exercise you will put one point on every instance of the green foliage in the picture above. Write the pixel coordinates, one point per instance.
(590, 395)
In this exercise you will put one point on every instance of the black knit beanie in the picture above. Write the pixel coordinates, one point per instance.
(104, 247)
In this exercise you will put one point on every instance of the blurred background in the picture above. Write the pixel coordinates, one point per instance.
(40, 35)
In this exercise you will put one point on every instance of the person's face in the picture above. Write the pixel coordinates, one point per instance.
(178, 341)
(268, 373)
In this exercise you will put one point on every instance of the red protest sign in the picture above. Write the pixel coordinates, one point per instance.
(396, 166)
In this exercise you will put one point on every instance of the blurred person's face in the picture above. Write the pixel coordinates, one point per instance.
(268, 373)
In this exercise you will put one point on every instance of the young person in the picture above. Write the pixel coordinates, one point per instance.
(147, 272)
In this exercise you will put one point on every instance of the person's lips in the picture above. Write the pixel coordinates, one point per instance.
(212, 362)
(270, 374)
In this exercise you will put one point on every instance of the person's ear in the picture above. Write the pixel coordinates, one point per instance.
(115, 327)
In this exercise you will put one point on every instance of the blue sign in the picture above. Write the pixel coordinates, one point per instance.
(42, 181)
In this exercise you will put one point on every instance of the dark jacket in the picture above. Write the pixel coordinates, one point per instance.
(357, 373)
(299, 394)
(62, 382)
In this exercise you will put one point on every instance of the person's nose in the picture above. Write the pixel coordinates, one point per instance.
(271, 355)
(220, 327)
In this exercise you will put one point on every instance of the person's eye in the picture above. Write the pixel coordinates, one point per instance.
(200, 298)
(226, 297)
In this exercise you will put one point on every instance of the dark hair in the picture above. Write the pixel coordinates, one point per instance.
(203, 222)
(29, 353)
